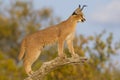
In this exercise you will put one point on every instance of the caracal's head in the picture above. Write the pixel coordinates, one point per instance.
(78, 14)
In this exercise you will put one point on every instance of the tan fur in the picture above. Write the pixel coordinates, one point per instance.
(33, 44)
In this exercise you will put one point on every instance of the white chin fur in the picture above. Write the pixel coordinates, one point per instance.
(79, 20)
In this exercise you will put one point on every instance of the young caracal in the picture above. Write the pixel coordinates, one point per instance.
(32, 45)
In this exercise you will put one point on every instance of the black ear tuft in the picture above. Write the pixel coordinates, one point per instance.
(79, 6)
(83, 7)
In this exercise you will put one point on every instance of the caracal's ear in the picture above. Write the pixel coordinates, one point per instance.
(79, 9)
(76, 11)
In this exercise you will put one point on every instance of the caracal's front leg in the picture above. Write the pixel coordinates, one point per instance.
(70, 47)
(60, 48)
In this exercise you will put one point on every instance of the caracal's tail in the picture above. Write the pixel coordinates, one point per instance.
(22, 50)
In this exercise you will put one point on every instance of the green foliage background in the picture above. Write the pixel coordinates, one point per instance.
(21, 19)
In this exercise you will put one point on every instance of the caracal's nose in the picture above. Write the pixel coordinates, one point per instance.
(83, 20)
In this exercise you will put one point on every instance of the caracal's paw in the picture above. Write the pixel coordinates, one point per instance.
(75, 56)
(63, 56)
(30, 73)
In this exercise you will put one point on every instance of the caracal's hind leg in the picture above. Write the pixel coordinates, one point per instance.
(27, 67)
(30, 57)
